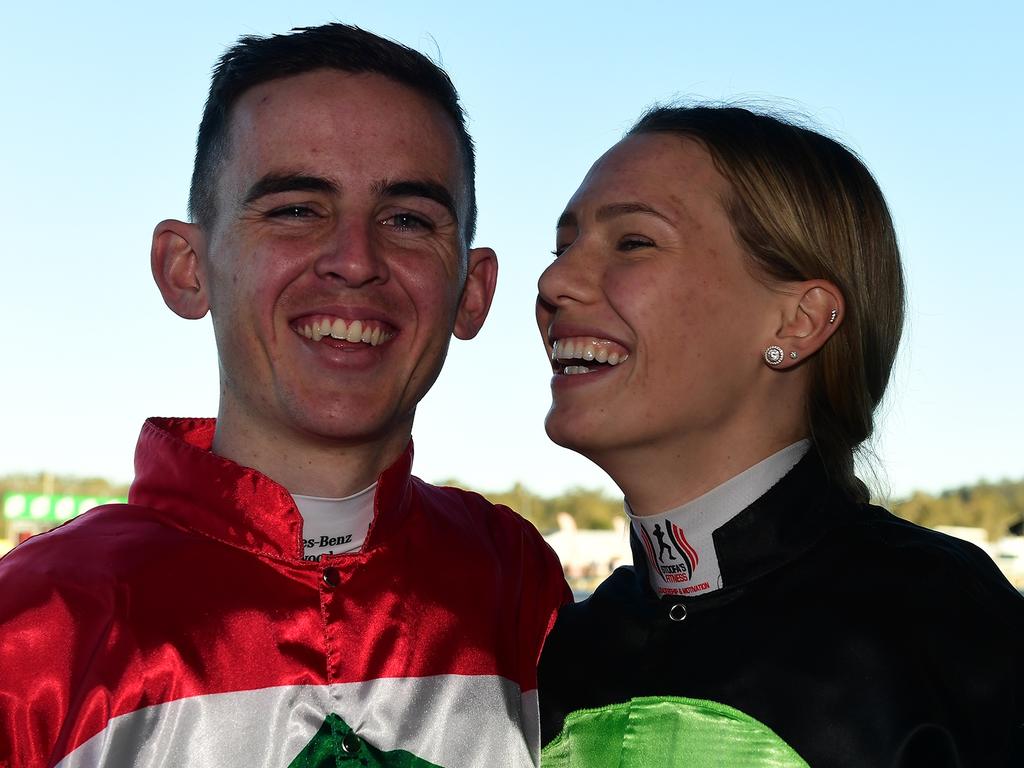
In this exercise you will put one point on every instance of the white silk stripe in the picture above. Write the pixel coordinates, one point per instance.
(455, 721)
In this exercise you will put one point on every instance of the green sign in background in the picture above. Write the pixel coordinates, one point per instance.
(50, 507)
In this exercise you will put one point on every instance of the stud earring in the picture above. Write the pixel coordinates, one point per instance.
(832, 316)
(773, 355)
(793, 355)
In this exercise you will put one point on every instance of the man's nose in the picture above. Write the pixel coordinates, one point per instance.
(352, 256)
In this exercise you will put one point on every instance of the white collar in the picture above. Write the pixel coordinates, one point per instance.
(681, 556)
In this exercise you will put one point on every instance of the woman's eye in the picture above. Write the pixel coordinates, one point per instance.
(559, 250)
(632, 243)
(407, 222)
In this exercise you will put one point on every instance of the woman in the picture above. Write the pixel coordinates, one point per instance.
(722, 316)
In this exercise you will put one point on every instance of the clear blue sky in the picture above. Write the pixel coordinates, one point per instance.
(101, 104)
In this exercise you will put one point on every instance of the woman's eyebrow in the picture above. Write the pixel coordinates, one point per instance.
(612, 210)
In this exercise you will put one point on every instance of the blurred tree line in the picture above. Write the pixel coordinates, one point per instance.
(589, 507)
(996, 507)
(62, 484)
(44, 482)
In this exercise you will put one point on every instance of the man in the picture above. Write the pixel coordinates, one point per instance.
(279, 590)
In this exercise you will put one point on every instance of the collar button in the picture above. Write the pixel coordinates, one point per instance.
(350, 744)
(331, 577)
(677, 612)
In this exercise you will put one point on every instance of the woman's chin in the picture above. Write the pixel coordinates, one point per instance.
(579, 434)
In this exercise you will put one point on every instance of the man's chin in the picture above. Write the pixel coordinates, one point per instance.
(355, 426)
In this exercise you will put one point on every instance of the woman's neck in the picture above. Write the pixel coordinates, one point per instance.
(656, 478)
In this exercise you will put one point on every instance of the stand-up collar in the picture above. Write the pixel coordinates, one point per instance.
(178, 474)
(775, 529)
(686, 560)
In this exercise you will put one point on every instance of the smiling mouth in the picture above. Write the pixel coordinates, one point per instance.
(578, 355)
(315, 328)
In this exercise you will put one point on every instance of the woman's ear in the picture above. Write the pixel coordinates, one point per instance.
(176, 257)
(815, 312)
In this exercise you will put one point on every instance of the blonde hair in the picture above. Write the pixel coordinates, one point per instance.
(805, 207)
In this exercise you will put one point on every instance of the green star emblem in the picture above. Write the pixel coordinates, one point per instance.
(336, 744)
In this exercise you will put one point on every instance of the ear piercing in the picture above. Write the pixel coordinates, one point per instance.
(773, 355)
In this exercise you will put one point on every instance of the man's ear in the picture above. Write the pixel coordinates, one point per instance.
(481, 279)
(814, 311)
(176, 260)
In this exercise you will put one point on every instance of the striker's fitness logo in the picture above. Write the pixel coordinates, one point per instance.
(671, 567)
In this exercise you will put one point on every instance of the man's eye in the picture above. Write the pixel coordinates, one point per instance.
(559, 250)
(407, 222)
(292, 212)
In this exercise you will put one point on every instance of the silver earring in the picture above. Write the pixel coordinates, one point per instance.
(793, 355)
(773, 355)
(832, 316)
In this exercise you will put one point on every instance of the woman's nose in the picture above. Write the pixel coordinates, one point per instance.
(572, 276)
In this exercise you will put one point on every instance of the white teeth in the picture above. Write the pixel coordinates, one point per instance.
(573, 370)
(338, 329)
(589, 349)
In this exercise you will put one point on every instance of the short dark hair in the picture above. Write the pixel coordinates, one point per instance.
(254, 60)
(805, 207)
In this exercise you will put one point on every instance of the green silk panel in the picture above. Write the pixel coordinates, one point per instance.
(668, 732)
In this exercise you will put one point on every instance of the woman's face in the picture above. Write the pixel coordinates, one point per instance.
(658, 326)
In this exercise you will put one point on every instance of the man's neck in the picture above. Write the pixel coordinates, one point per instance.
(305, 463)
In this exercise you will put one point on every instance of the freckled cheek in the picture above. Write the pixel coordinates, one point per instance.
(428, 283)
(248, 298)
(672, 331)
(284, 255)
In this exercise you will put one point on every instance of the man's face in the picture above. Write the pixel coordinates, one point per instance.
(335, 267)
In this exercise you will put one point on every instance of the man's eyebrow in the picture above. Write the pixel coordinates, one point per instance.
(420, 188)
(272, 183)
(567, 219)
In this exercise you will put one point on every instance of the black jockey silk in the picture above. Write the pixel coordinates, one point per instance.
(858, 638)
